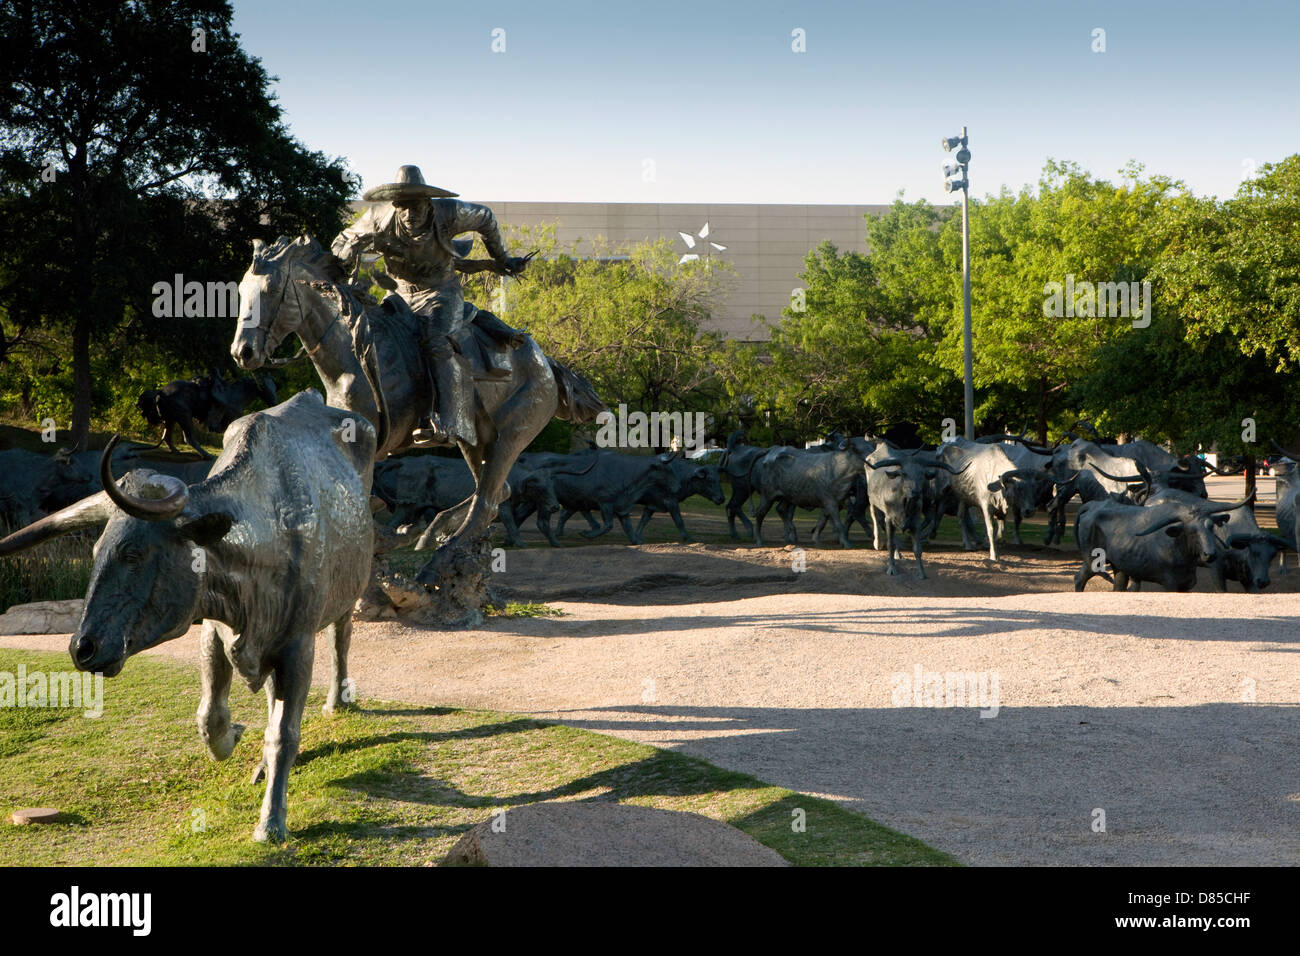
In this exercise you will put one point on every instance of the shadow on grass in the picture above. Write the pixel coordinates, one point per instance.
(412, 711)
(482, 731)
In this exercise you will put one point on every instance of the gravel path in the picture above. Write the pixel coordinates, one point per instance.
(1138, 705)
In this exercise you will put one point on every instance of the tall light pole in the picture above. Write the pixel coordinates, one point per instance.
(962, 169)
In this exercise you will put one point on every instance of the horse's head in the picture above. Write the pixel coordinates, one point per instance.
(270, 305)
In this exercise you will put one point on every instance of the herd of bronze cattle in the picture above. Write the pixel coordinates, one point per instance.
(1144, 514)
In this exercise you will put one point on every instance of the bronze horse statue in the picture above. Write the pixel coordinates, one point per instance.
(369, 360)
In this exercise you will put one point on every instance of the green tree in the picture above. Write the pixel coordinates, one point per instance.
(1195, 395)
(119, 122)
(1026, 356)
(1234, 266)
(630, 318)
(856, 353)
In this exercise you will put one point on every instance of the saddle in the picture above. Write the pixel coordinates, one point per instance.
(482, 338)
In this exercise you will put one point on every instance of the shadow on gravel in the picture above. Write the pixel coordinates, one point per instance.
(941, 621)
(1216, 784)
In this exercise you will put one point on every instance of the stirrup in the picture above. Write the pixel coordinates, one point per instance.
(430, 434)
(424, 436)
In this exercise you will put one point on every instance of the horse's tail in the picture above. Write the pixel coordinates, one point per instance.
(578, 401)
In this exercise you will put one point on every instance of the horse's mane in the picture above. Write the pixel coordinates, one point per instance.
(352, 301)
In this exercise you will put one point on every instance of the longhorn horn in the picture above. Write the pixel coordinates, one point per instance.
(935, 462)
(885, 463)
(1016, 439)
(1225, 473)
(1231, 506)
(1143, 476)
(86, 513)
(1293, 455)
(1063, 483)
(1127, 479)
(1159, 526)
(170, 505)
(561, 471)
(1021, 473)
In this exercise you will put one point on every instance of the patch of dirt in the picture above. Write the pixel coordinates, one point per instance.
(689, 573)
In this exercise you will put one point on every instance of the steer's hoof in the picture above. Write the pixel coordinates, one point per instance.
(331, 708)
(222, 747)
(232, 739)
(271, 831)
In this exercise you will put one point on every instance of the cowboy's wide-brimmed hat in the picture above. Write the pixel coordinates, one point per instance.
(410, 184)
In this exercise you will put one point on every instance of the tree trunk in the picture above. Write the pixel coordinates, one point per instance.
(81, 384)
(1042, 412)
(83, 246)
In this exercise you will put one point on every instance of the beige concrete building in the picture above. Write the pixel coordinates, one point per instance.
(765, 244)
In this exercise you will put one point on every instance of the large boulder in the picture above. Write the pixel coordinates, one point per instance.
(42, 617)
(606, 834)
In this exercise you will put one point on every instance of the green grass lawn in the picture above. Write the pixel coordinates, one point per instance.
(390, 784)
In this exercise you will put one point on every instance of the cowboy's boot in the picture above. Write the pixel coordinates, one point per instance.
(437, 352)
(455, 401)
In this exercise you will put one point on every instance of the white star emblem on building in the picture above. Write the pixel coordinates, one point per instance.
(690, 244)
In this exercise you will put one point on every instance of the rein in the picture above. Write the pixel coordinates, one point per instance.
(304, 351)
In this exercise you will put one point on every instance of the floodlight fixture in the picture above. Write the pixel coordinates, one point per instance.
(962, 185)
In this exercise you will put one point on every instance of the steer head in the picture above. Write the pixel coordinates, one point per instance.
(65, 482)
(1287, 473)
(1198, 526)
(706, 481)
(1024, 489)
(540, 491)
(1248, 558)
(1199, 540)
(144, 586)
(912, 485)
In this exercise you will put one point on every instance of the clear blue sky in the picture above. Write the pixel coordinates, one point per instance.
(712, 93)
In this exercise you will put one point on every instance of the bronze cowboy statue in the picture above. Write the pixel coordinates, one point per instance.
(495, 387)
(415, 231)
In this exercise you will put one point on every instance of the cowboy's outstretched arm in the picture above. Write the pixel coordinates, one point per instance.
(472, 217)
(353, 240)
